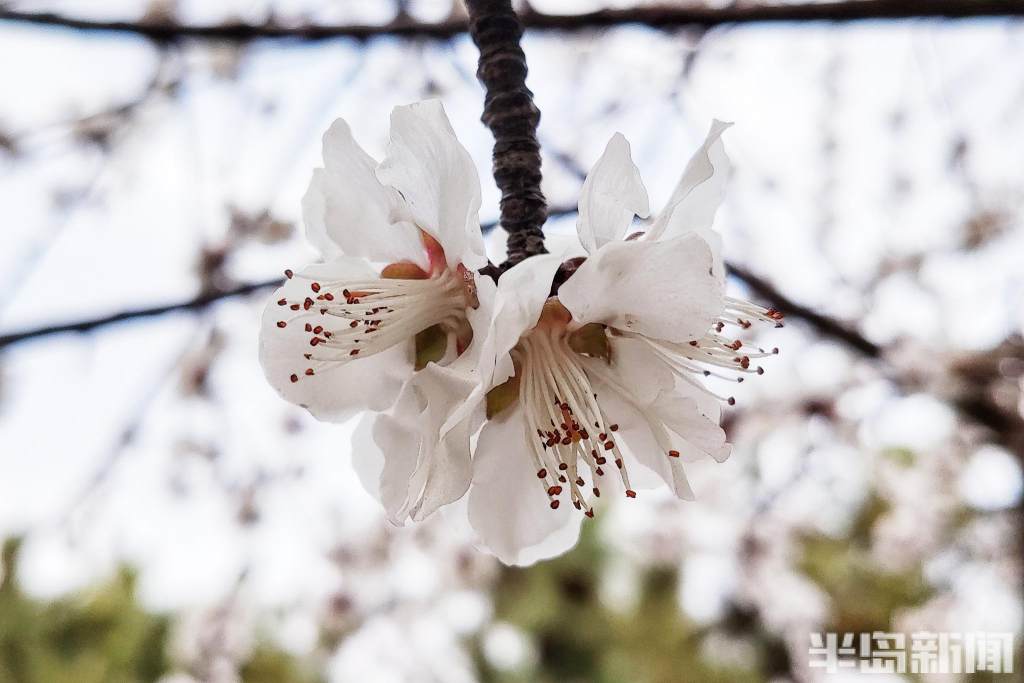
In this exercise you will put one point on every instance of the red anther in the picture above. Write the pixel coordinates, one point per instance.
(774, 314)
(354, 323)
(614, 427)
(309, 372)
(731, 401)
(294, 307)
(597, 492)
(329, 296)
(307, 304)
(760, 370)
(562, 479)
(314, 341)
(584, 434)
(554, 504)
(318, 329)
(541, 473)
(601, 460)
(589, 513)
(579, 481)
(745, 362)
(673, 454)
(282, 324)
(600, 472)
(602, 436)
(609, 444)
(693, 343)
(288, 273)
(618, 463)
(566, 441)
(307, 356)
(323, 311)
(328, 334)
(576, 502)
(745, 324)
(554, 490)
(294, 378)
(775, 350)
(345, 293)
(354, 352)
(736, 345)
(282, 302)
(563, 466)
(630, 493)
(315, 286)
(308, 327)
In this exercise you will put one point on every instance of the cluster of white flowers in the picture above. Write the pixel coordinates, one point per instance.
(521, 404)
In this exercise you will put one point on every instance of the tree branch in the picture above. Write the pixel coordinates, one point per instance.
(511, 115)
(655, 17)
(194, 305)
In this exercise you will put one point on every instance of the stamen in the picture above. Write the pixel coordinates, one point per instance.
(362, 318)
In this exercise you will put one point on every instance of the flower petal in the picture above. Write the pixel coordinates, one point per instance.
(507, 504)
(699, 192)
(337, 391)
(424, 470)
(664, 290)
(611, 195)
(347, 211)
(436, 177)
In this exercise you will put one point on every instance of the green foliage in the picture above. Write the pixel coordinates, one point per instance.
(580, 638)
(101, 635)
(864, 596)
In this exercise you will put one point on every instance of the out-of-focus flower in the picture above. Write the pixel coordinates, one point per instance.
(398, 287)
(604, 380)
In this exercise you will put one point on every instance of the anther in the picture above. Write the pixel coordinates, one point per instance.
(288, 273)
(294, 378)
(541, 473)
(673, 454)
(282, 324)
(630, 493)
(315, 286)
(554, 504)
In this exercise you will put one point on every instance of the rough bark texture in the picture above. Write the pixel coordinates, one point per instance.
(512, 116)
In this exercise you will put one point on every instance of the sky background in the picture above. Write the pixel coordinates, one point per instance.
(877, 180)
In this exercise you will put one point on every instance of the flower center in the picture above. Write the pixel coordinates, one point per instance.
(346, 320)
(568, 432)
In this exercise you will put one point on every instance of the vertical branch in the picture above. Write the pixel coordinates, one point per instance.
(512, 117)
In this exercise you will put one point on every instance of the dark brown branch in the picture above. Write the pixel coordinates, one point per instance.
(823, 324)
(193, 305)
(511, 115)
(655, 17)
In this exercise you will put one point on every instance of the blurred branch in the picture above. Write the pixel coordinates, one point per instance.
(654, 17)
(196, 304)
(825, 325)
(512, 117)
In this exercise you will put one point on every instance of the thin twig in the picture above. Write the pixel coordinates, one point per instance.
(655, 17)
(511, 115)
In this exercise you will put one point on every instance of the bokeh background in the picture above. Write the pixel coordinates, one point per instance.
(165, 516)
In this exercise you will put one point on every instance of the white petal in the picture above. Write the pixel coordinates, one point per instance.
(664, 290)
(367, 456)
(422, 469)
(347, 211)
(611, 195)
(437, 179)
(508, 507)
(639, 366)
(647, 375)
(699, 192)
(339, 390)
